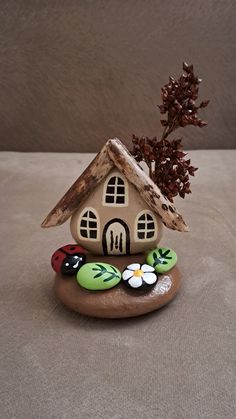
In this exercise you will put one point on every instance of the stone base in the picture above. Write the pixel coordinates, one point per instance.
(120, 301)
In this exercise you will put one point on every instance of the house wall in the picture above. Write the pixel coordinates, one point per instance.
(106, 213)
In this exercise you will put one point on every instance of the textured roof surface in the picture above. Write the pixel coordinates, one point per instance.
(114, 153)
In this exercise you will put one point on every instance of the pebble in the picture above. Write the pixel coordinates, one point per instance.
(68, 259)
(98, 276)
(139, 276)
(163, 259)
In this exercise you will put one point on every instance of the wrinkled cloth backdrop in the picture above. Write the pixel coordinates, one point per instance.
(75, 73)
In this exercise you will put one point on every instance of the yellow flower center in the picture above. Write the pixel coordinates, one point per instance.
(138, 272)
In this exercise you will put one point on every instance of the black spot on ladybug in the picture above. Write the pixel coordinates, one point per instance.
(57, 257)
(72, 248)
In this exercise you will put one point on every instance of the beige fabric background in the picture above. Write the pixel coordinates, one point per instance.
(74, 73)
(178, 363)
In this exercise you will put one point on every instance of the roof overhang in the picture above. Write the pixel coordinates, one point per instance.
(114, 153)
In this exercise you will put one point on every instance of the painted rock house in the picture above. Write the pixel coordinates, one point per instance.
(115, 207)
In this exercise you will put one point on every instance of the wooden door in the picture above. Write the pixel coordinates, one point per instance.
(116, 240)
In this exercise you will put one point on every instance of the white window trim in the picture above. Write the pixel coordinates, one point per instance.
(107, 204)
(92, 219)
(151, 239)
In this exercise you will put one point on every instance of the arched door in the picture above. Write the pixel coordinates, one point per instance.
(116, 238)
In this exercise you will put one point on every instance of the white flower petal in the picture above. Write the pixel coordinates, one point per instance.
(135, 281)
(127, 274)
(147, 268)
(149, 278)
(134, 266)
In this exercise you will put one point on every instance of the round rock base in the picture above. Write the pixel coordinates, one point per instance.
(120, 301)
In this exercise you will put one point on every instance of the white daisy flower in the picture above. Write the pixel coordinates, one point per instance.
(136, 275)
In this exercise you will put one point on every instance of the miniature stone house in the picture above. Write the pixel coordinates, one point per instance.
(114, 206)
(114, 219)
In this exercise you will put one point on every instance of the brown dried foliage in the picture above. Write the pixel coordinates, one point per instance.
(165, 159)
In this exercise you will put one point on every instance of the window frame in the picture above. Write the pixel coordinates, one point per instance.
(81, 217)
(154, 220)
(116, 185)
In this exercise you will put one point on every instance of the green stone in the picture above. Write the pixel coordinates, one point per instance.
(163, 259)
(98, 276)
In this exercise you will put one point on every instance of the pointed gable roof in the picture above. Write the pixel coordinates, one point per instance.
(115, 154)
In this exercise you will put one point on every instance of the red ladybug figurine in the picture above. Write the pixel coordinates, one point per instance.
(68, 259)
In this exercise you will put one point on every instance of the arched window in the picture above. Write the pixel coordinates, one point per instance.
(88, 225)
(146, 226)
(115, 191)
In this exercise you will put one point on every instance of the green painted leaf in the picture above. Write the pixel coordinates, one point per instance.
(166, 253)
(101, 266)
(156, 262)
(109, 278)
(99, 274)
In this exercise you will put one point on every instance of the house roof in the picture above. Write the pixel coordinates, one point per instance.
(115, 154)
